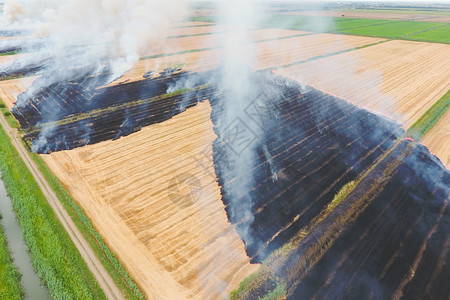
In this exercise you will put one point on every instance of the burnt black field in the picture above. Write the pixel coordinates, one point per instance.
(396, 246)
(388, 237)
(42, 111)
(317, 143)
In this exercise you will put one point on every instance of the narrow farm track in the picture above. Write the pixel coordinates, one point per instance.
(105, 281)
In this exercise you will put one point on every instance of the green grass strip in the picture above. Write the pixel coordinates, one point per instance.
(9, 118)
(53, 254)
(340, 195)
(14, 77)
(10, 287)
(190, 26)
(393, 30)
(8, 53)
(207, 19)
(318, 24)
(112, 265)
(440, 34)
(244, 286)
(430, 118)
(278, 293)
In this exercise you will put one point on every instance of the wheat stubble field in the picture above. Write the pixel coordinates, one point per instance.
(401, 79)
(438, 139)
(168, 244)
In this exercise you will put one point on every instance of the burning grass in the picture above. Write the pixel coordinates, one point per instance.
(301, 167)
(317, 167)
(316, 175)
(10, 287)
(99, 112)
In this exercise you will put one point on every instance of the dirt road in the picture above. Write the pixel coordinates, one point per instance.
(105, 281)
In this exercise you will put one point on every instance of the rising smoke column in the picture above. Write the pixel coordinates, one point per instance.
(80, 35)
(71, 40)
(236, 88)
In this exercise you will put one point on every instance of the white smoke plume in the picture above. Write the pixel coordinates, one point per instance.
(237, 89)
(80, 35)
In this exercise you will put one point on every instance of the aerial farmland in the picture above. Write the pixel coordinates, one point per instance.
(243, 150)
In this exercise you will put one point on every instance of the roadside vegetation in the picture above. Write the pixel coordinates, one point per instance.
(9, 118)
(10, 287)
(430, 118)
(115, 269)
(53, 254)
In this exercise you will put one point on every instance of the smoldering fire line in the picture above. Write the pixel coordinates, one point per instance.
(273, 108)
(72, 35)
(312, 145)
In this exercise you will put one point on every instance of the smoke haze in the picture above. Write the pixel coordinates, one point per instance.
(80, 35)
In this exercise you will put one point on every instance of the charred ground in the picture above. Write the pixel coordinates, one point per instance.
(386, 238)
